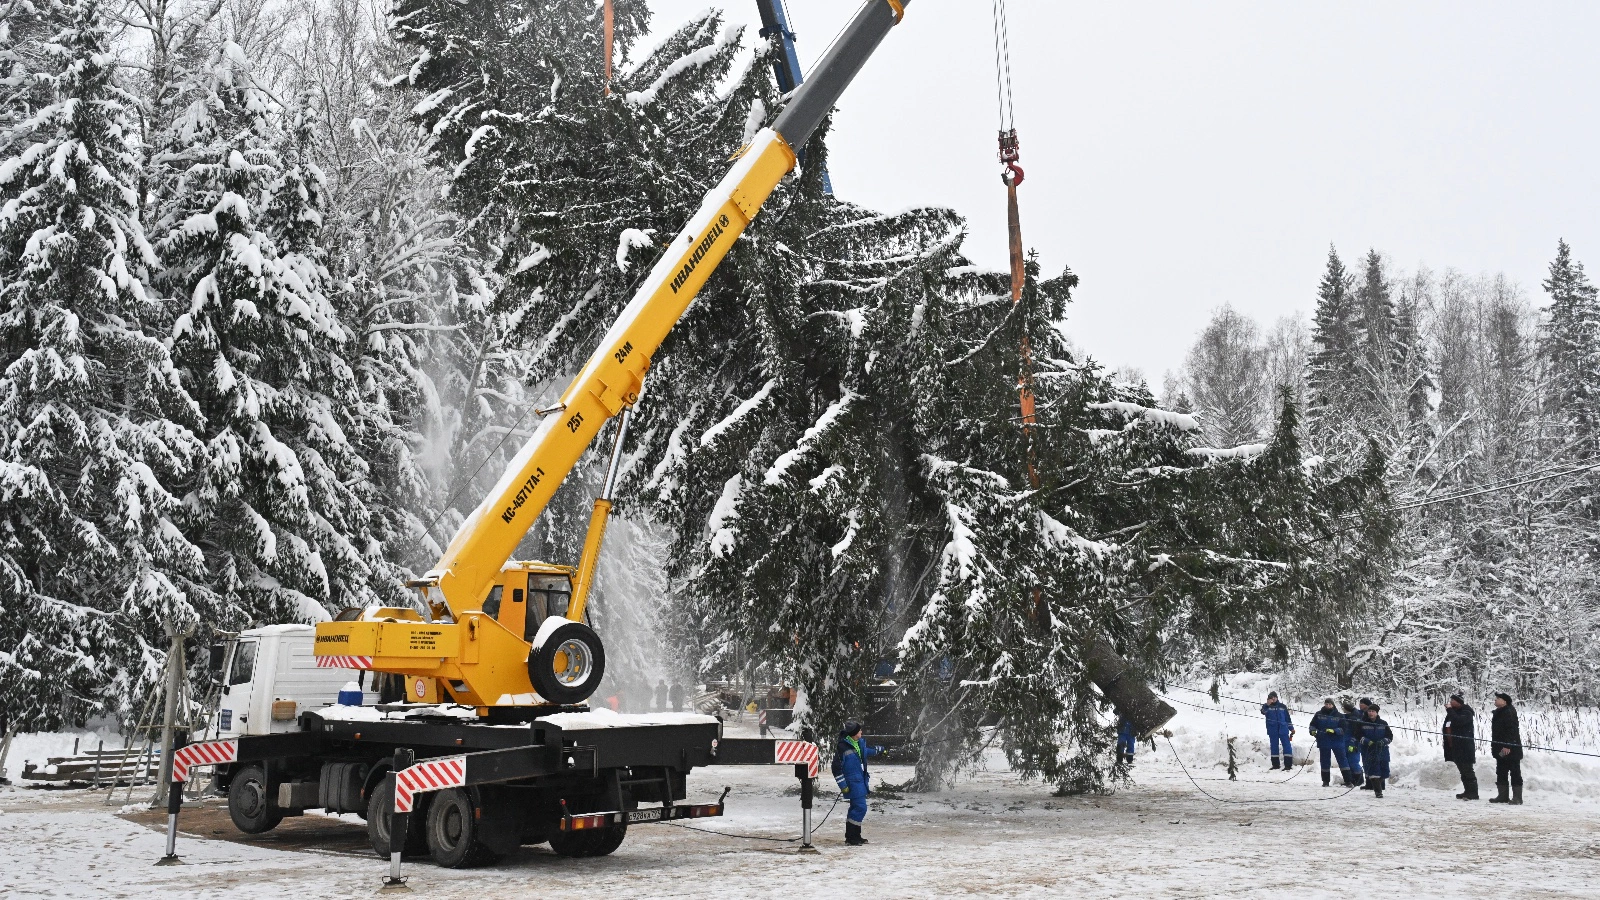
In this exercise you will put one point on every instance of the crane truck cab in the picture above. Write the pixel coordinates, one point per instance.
(269, 676)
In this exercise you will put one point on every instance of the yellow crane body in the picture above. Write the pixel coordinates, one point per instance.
(500, 626)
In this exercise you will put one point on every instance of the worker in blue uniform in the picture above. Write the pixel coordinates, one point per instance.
(850, 757)
(1280, 731)
(1125, 741)
(1350, 742)
(1327, 726)
(1355, 719)
(1375, 738)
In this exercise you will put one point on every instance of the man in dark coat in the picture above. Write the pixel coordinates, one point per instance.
(1352, 742)
(1327, 726)
(1353, 720)
(675, 694)
(1375, 738)
(1505, 742)
(1460, 745)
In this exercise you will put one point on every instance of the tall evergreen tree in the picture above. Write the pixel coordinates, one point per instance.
(280, 498)
(1570, 343)
(1379, 332)
(1333, 380)
(95, 439)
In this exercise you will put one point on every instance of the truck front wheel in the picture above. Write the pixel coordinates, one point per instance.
(455, 833)
(248, 802)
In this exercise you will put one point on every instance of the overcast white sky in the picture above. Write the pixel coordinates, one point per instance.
(1184, 155)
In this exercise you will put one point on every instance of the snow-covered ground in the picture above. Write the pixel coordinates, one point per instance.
(990, 835)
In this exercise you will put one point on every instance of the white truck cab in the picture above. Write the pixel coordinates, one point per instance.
(270, 676)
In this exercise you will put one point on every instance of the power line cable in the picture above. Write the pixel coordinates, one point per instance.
(1497, 482)
(1476, 740)
(1490, 488)
(1493, 489)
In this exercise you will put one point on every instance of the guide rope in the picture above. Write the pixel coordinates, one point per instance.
(757, 837)
(1213, 797)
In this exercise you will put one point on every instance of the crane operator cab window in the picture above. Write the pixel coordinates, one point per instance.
(548, 595)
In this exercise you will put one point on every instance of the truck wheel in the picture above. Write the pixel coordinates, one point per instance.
(455, 837)
(568, 666)
(379, 804)
(248, 802)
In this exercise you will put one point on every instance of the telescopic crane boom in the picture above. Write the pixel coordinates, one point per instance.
(512, 634)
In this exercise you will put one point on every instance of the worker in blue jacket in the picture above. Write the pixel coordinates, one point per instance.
(1280, 730)
(1352, 743)
(1327, 726)
(850, 757)
(1375, 739)
(1125, 741)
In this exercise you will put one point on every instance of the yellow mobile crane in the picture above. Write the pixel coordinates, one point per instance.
(506, 634)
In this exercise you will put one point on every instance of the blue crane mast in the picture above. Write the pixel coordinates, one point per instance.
(775, 24)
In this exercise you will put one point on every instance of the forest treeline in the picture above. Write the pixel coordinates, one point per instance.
(282, 286)
(1485, 404)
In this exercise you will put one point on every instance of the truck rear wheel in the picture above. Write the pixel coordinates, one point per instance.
(379, 805)
(249, 804)
(568, 666)
(455, 833)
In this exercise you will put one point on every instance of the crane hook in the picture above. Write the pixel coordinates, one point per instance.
(1010, 152)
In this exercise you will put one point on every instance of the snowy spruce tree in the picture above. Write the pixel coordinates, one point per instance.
(96, 439)
(279, 500)
(834, 419)
(1570, 344)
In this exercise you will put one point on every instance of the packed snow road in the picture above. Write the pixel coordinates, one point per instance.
(991, 835)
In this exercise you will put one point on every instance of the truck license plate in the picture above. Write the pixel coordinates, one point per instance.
(644, 815)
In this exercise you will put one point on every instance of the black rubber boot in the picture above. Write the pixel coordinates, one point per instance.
(1516, 795)
(1274, 762)
(1377, 789)
(1500, 795)
(1327, 778)
(852, 834)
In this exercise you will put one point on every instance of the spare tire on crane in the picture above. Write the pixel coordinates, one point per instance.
(567, 661)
